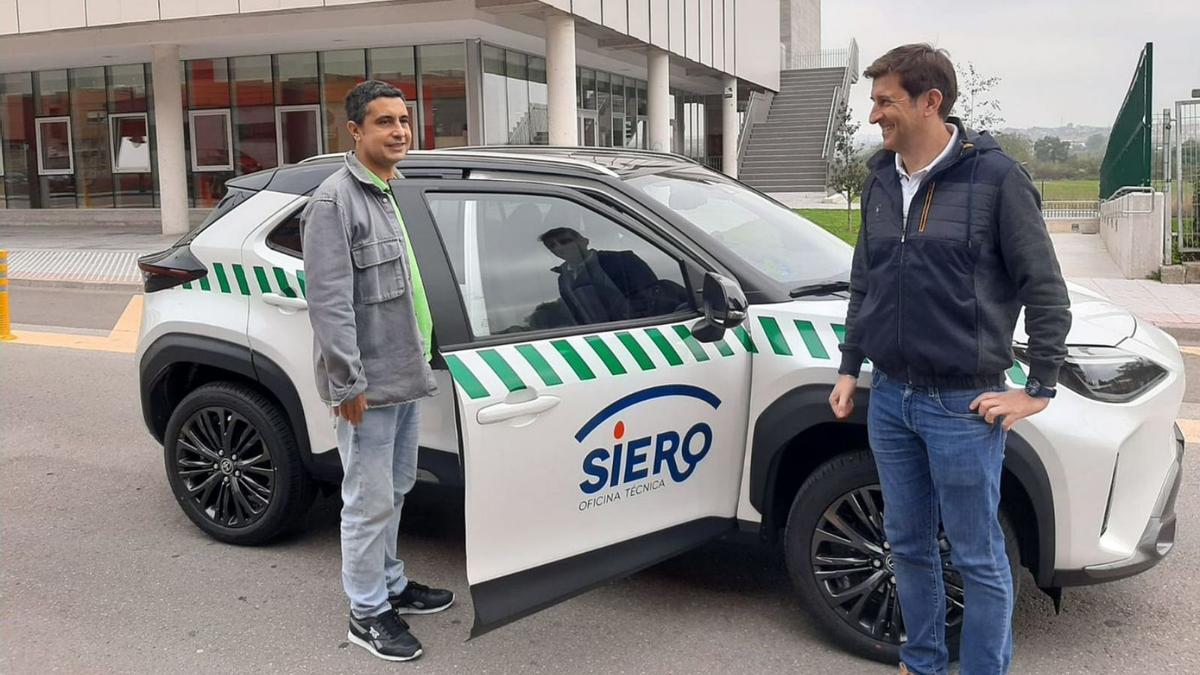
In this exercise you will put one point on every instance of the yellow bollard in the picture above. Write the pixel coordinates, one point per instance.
(5, 325)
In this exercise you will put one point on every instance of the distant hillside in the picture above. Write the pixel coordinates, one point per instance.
(1069, 132)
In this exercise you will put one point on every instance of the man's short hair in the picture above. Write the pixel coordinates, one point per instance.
(361, 96)
(920, 68)
(560, 233)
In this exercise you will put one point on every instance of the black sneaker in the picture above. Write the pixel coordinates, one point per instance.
(421, 599)
(385, 636)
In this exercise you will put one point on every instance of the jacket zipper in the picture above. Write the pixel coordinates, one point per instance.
(925, 211)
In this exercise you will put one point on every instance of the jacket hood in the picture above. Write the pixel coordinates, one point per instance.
(970, 142)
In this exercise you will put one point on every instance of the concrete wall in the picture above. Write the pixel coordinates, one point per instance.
(1073, 225)
(800, 26)
(1132, 230)
(737, 37)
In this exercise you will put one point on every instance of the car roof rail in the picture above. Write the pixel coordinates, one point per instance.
(479, 152)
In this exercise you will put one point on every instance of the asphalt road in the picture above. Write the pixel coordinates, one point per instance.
(101, 572)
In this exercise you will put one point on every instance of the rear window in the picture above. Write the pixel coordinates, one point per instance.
(228, 203)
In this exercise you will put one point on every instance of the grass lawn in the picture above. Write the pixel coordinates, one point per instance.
(1068, 190)
(834, 221)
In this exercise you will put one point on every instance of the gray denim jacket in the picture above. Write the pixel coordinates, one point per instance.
(365, 335)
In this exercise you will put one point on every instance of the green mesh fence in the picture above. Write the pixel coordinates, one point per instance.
(1129, 155)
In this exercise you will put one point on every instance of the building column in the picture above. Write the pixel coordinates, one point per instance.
(168, 136)
(729, 127)
(560, 78)
(658, 99)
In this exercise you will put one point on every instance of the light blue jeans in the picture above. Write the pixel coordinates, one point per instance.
(937, 458)
(379, 460)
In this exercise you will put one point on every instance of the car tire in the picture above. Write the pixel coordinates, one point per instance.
(246, 500)
(853, 476)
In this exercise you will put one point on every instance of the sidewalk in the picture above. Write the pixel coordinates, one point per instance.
(76, 256)
(1173, 308)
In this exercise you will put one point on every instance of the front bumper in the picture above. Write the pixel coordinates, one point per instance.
(1156, 541)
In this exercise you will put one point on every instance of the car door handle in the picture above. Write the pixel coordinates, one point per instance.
(506, 411)
(284, 302)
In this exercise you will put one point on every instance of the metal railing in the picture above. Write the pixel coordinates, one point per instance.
(840, 96)
(846, 57)
(757, 110)
(1075, 209)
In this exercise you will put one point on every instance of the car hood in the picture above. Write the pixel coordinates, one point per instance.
(1094, 320)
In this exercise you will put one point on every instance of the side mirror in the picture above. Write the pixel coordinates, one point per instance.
(724, 308)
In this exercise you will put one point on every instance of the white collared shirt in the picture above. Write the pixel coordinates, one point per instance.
(909, 184)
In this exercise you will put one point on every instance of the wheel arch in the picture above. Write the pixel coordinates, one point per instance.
(798, 433)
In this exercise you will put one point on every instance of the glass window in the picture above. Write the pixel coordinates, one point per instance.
(129, 143)
(207, 83)
(54, 146)
(51, 96)
(296, 81)
(771, 237)
(587, 84)
(443, 87)
(526, 263)
(286, 237)
(341, 71)
(127, 88)
(495, 97)
(90, 141)
(253, 113)
(539, 108)
(17, 134)
(211, 139)
(604, 105)
(299, 132)
(517, 70)
(398, 67)
(642, 103)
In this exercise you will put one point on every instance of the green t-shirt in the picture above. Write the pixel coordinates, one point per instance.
(420, 302)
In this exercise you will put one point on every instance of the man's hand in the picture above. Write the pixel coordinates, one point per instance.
(842, 398)
(352, 410)
(1013, 406)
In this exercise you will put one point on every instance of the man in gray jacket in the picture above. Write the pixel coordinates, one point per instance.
(373, 339)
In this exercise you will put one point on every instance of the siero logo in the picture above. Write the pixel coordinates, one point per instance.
(627, 458)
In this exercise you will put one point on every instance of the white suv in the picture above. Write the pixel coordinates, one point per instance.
(681, 397)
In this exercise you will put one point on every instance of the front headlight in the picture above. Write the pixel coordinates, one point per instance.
(1105, 374)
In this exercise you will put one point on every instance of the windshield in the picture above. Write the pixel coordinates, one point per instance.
(776, 240)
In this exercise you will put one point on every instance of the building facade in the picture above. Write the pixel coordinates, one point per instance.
(156, 103)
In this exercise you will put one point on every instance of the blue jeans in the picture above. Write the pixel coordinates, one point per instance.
(937, 458)
(379, 460)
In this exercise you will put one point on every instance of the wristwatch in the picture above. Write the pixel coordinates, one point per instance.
(1035, 388)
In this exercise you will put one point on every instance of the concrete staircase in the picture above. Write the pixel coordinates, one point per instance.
(784, 153)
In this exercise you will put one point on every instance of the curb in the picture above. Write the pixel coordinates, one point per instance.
(77, 285)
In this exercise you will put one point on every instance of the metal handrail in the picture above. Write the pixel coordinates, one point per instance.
(840, 94)
(1128, 191)
(834, 110)
(758, 108)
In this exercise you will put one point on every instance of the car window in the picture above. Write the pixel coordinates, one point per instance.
(232, 199)
(535, 262)
(774, 239)
(286, 238)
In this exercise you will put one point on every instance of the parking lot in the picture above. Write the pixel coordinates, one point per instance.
(101, 572)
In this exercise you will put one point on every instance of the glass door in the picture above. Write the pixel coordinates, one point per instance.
(588, 126)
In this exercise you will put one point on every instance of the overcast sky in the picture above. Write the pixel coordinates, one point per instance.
(1059, 61)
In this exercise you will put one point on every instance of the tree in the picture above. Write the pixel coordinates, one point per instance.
(975, 106)
(1096, 143)
(1052, 149)
(1017, 146)
(848, 169)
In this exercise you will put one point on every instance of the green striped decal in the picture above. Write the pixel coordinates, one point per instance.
(540, 365)
(691, 343)
(582, 371)
(723, 347)
(775, 336)
(465, 378)
(840, 331)
(261, 275)
(187, 285)
(635, 350)
(664, 346)
(284, 288)
(1017, 374)
(222, 280)
(606, 355)
(240, 275)
(507, 375)
(300, 281)
(747, 341)
(808, 332)
(204, 284)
